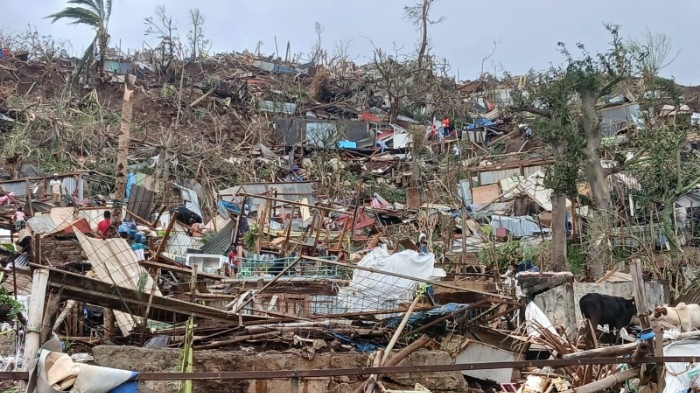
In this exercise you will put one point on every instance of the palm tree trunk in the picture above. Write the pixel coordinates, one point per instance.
(122, 155)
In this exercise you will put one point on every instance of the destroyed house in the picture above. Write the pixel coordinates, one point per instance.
(324, 133)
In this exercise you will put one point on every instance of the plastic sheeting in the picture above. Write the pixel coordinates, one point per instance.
(682, 376)
(522, 226)
(534, 314)
(422, 317)
(55, 372)
(377, 291)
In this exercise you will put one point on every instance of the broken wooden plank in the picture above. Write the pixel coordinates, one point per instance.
(75, 286)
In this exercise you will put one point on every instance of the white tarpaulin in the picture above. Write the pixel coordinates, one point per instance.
(377, 291)
(537, 320)
(54, 372)
(682, 376)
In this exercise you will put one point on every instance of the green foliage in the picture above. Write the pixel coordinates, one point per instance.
(576, 258)
(250, 237)
(141, 284)
(388, 192)
(512, 251)
(16, 307)
(207, 237)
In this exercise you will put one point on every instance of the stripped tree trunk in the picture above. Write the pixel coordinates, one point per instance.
(559, 261)
(599, 254)
(122, 155)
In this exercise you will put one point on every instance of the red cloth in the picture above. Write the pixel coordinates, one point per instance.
(233, 258)
(103, 227)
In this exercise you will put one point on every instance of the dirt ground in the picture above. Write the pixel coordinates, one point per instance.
(150, 359)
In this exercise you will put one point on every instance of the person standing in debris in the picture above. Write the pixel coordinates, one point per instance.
(445, 126)
(103, 226)
(423, 243)
(233, 262)
(55, 185)
(20, 218)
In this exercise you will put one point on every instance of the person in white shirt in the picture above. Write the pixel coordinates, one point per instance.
(55, 186)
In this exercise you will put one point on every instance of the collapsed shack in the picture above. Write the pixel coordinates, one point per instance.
(316, 285)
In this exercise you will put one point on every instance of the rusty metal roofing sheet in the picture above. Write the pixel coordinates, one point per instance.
(24, 281)
(288, 191)
(140, 202)
(693, 295)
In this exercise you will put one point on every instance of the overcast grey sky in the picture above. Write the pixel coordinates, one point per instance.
(527, 31)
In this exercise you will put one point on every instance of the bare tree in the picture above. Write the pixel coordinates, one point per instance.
(654, 52)
(199, 44)
(163, 28)
(317, 50)
(419, 15)
(399, 80)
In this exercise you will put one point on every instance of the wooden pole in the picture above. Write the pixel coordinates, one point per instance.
(122, 155)
(615, 350)
(640, 298)
(236, 231)
(166, 236)
(108, 323)
(606, 382)
(153, 289)
(321, 218)
(32, 340)
(381, 357)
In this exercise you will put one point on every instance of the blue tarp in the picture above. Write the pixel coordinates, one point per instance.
(364, 346)
(234, 207)
(423, 317)
(479, 123)
(128, 386)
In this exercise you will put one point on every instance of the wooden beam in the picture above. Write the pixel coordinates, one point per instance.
(96, 292)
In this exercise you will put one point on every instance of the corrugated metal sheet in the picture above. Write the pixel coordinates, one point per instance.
(220, 243)
(114, 262)
(140, 202)
(288, 108)
(180, 241)
(22, 261)
(69, 184)
(189, 196)
(317, 132)
(491, 177)
(289, 191)
(24, 282)
(693, 295)
(465, 192)
(518, 226)
(42, 224)
(19, 187)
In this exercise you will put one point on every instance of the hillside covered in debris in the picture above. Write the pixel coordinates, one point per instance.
(264, 224)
